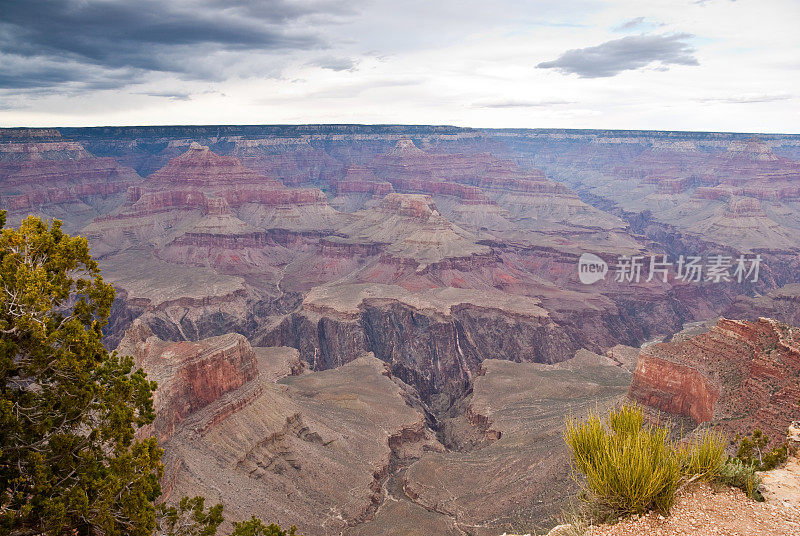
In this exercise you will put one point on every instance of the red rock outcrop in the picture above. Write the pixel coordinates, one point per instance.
(669, 185)
(753, 165)
(29, 134)
(739, 376)
(201, 167)
(469, 195)
(294, 162)
(721, 191)
(775, 189)
(202, 179)
(782, 304)
(268, 197)
(190, 375)
(744, 207)
(751, 149)
(406, 160)
(484, 191)
(410, 206)
(673, 388)
(412, 170)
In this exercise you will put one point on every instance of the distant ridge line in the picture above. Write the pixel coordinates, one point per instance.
(357, 128)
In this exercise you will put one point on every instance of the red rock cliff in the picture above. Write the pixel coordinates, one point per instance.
(673, 388)
(740, 375)
(190, 375)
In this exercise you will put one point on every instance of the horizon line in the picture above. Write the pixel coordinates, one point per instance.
(396, 125)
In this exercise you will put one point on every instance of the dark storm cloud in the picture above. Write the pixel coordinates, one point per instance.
(179, 37)
(20, 74)
(33, 77)
(628, 53)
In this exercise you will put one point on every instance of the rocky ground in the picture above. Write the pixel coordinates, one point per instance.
(703, 511)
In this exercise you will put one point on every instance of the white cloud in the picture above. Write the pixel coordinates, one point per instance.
(457, 62)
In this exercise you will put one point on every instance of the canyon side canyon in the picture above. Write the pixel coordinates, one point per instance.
(379, 330)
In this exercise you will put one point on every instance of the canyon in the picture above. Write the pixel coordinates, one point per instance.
(371, 330)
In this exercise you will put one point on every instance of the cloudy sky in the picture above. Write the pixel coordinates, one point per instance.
(638, 64)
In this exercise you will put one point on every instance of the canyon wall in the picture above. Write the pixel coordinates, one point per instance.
(738, 376)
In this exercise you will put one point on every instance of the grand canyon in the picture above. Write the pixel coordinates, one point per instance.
(380, 330)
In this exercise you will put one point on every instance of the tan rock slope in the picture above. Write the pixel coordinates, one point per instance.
(410, 226)
(312, 450)
(522, 464)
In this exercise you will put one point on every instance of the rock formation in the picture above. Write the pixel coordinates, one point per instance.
(51, 177)
(285, 450)
(739, 376)
(190, 376)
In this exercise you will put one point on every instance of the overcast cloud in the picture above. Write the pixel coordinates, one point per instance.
(637, 22)
(467, 62)
(138, 38)
(334, 63)
(626, 54)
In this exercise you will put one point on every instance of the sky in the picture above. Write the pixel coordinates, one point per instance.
(707, 65)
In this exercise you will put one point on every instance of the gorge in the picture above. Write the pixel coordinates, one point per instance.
(369, 329)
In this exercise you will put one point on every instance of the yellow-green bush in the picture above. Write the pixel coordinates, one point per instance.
(704, 456)
(626, 419)
(753, 451)
(628, 466)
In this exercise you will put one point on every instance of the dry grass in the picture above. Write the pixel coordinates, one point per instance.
(703, 457)
(628, 466)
